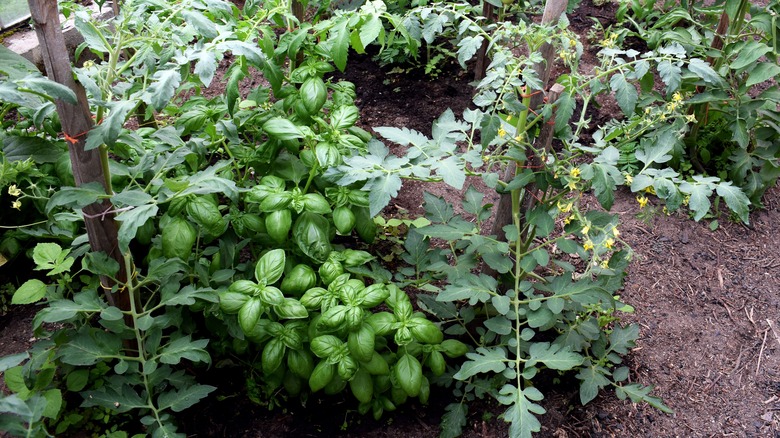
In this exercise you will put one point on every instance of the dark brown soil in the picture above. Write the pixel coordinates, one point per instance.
(707, 302)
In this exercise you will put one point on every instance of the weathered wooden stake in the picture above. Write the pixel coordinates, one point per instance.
(504, 208)
(552, 12)
(482, 60)
(76, 122)
(544, 141)
(299, 12)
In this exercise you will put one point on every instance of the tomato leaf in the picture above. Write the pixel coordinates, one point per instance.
(162, 89)
(553, 356)
(131, 220)
(763, 72)
(671, 75)
(467, 48)
(699, 191)
(178, 401)
(185, 348)
(454, 420)
(520, 414)
(657, 151)
(592, 380)
(705, 72)
(749, 54)
(235, 74)
(111, 126)
(735, 198)
(625, 93)
(484, 360)
(20, 148)
(201, 23)
(638, 393)
(90, 346)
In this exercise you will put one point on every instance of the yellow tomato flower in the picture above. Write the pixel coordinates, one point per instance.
(691, 118)
(650, 189)
(509, 118)
(17, 204)
(686, 200)
(677, 97)
(609, 41)
(14, 191)
(604, 264)
(629, 178)
(501, 132)
(575, 172)
(615, 232)
(609, 243)
(572, 185)
(567, 219)
(565, 207)
(585, 229)
(588, 245)
(642, 201)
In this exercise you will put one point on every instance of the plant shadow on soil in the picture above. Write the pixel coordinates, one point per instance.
(707, 303)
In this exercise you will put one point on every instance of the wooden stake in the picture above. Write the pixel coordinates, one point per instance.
(544, 141)
(552, 12)
(76, 123)
(482, 60)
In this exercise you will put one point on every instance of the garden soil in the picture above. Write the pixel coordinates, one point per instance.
(707, 303)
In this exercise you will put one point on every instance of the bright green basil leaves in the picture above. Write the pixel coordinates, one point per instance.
(252, 299)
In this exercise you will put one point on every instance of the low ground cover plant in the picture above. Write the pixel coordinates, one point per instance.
(246, 220)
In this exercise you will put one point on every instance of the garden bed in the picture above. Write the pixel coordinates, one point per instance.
(703, 300)
(707, 303)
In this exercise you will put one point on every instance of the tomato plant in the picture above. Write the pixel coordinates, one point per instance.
(245, 220)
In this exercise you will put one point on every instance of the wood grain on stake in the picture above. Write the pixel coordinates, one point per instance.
(553, 10)
(76, 123)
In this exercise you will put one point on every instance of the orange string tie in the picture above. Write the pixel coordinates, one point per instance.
(75, 139)
(525, 96)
